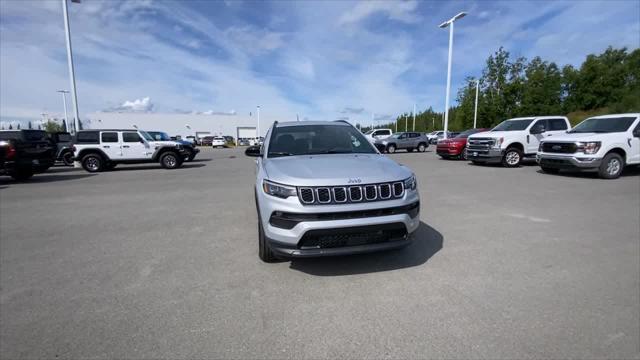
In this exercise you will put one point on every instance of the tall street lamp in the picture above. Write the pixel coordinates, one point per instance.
(449, 23)
(475, 112)
(72, 75)
(64, 103)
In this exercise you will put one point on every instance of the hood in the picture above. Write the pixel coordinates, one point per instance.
(334, 169)
(452, 140)
(164, 142)
(584, 137)
(495, 134)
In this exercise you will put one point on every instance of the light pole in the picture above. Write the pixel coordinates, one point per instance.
(258, 130)
(64, 103)
(449, 23)
(475, 112)
(72, 75)
(414, 117)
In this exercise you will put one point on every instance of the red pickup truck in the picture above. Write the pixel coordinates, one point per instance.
(455, 147)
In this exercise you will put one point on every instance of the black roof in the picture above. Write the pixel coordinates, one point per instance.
(92, 130)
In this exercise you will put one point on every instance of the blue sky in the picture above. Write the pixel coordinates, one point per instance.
(321, 60)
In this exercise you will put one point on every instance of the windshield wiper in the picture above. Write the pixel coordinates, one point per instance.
(331, 151)
(279, 153)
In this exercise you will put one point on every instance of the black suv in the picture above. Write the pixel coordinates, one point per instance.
(63, 142)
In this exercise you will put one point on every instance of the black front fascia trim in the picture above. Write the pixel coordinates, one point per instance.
(286, 220)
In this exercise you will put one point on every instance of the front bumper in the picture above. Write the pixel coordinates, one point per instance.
(287, 240)
(568, 162)
(485, 155)
(448, 151)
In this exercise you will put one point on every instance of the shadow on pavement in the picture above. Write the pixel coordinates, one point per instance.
(427, 242)
(629, 171)
(155, 167)
(44, 178)
(198, 160)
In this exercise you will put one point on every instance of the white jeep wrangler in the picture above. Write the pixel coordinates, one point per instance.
(98, 150)
(514, 140)
(605, 144)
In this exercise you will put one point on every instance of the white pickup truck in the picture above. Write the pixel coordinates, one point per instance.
(514, 140)
(605, 144)
(377, 134)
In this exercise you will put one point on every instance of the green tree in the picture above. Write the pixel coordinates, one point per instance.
(52, 126)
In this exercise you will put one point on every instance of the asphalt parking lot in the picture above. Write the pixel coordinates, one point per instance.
(142, 262)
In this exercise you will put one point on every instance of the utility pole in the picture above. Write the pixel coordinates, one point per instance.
(72, 75)
(475, 113)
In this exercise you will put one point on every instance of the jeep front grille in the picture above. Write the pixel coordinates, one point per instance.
(322, 195)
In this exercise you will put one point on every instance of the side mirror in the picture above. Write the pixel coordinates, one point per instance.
(636, 133)
(141, 140)
(253, 151)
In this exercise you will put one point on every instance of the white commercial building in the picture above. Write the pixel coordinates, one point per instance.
(243, 126)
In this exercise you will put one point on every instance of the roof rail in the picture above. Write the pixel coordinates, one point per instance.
(342, 120)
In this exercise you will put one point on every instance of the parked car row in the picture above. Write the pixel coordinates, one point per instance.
(603, 144)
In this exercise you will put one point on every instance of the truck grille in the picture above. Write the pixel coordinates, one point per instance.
(480, 145)
(561, 148)
(322, 195)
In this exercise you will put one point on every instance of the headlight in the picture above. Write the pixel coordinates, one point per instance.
(410, 183)
(278, 190)
(497, 142)
(590, 147)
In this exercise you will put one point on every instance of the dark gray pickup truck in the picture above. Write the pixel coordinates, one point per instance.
(25, 152)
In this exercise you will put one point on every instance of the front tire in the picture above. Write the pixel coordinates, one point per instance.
(512, 158)
(92, 163)
(422, 147)
(170, 160)
(264, 251)
(391, 149)
(463, 154)
(611, 166)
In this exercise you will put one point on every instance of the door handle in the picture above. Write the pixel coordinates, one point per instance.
(106, 146)
(125, 146)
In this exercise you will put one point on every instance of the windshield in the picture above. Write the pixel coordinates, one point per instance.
(465, 134)
(513, 125)
(159, 135)
(317, 139)
(604, 125)
(146, 136)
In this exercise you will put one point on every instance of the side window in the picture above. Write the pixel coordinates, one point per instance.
(130, 137)
(87, 137)
(556, 124)
(413, 135)
(542, 124)
(385, 132)
(109, 137)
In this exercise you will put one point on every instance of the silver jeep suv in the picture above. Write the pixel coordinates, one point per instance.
(323, 189)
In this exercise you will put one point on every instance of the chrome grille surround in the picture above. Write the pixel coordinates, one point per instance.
(306, 196)
(325, 195)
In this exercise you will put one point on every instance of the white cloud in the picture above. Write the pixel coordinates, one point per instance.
(138, 105)
(403, 11)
